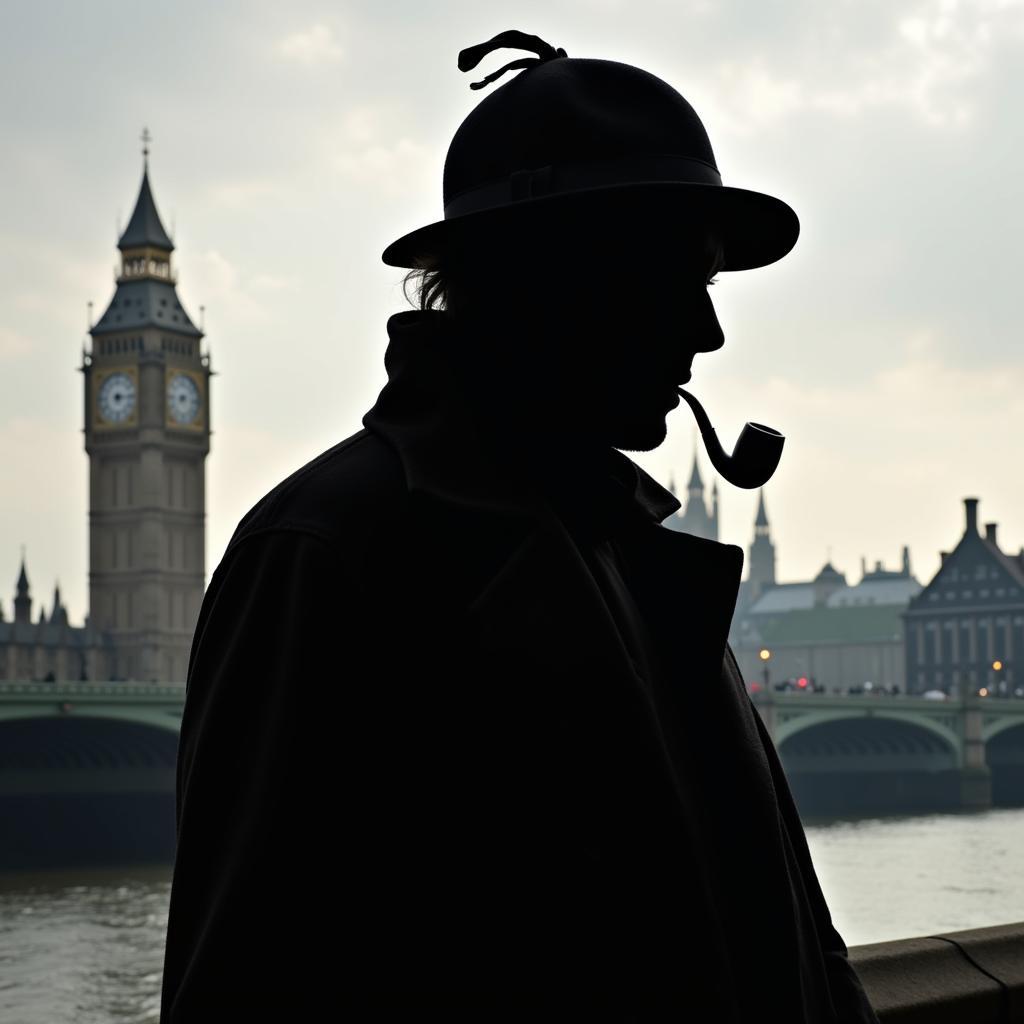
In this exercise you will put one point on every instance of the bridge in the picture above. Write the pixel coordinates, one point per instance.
(89, 768)
(93, 764)
(159, 705)
(88, 737)
(897, 752)
(87, 772)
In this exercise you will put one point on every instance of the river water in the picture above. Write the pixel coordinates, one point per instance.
(86, 947)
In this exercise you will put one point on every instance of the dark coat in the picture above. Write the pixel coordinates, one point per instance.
(424, 767)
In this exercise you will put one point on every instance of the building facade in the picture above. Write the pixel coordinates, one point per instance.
(47, 647)
(147, 434)
(965, 630)
(823, 632)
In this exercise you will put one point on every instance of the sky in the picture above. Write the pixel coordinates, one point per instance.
(293, 142)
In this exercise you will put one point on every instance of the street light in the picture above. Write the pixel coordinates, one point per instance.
(765, 655)
(997, 667)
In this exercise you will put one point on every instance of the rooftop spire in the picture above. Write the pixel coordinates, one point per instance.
(22, 600)
(762, 516)
(696, 484)
(145, 227)
(58, 614)
(22, 584)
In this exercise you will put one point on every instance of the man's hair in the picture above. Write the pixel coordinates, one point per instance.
(475, 260)
(430, 286)
(454, 283)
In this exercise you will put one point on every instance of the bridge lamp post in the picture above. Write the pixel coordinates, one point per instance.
(997, 667)
(765, 655)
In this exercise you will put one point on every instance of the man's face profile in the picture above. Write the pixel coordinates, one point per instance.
(618, 305)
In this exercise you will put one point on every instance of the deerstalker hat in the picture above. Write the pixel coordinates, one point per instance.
(585, 130)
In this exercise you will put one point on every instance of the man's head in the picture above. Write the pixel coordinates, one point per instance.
(578, 203)
(583, 316)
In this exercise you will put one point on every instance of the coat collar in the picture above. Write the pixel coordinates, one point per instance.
(536, 593)
(453, 452)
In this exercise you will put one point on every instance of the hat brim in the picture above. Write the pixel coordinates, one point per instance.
(756, 229)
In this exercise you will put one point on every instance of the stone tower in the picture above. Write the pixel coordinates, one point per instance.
(22, 596)
(147, 435)
(696, 518)
(762, 553)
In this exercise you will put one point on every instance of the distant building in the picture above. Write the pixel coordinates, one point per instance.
(761, 564)
(695, 516)
(147, 434)
(49, 647)
(965, 630)
(826, 631)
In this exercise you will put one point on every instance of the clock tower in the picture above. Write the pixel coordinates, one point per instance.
(147, 435)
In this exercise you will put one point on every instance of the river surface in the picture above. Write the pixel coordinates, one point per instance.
(86, 947)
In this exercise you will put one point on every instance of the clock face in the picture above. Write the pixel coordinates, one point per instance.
(183, 399)
(117, 398)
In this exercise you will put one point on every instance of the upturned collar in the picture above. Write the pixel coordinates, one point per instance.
(454, 450)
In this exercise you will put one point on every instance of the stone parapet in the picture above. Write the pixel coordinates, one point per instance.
(965, 977)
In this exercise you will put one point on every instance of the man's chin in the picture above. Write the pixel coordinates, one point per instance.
(641, 437)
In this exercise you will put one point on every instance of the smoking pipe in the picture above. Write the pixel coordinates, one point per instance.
(755, 457)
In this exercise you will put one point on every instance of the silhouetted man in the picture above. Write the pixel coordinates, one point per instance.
(463, 736)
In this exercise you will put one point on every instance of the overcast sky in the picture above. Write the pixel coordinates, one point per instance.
(292, 142)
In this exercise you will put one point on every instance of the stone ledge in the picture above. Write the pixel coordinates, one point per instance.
(953, 978)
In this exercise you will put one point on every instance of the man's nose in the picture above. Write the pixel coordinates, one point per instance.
(707, 332)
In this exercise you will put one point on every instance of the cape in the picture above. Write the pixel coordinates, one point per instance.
(464, 739)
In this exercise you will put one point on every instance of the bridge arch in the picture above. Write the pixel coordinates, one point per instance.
(870, 764)
(793, 726)
(85, 754)
(995, 726)
(1004, 754)
(165, 719)
(94, 788)
(876, 743)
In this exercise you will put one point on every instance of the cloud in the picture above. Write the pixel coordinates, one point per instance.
(925, 62)
(915, 402)
(373, 145)
(244, 193)
(363, 124)
(316, 45)
(754, 96)
(13, 344)
(271, 283)
(41, 456)
(870, 462)
(224, 289)
(388, 169)
(249, 462)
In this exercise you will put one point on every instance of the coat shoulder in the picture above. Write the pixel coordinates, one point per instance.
(345, 495)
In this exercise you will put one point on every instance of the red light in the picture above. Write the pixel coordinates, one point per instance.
(802, 681)
(755, 687)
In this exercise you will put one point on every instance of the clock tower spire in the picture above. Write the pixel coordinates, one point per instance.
(147, 435)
